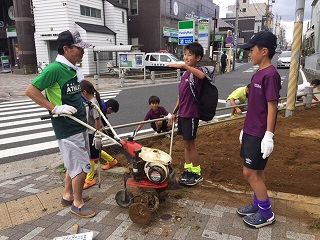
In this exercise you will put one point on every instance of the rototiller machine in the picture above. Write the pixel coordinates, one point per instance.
(149, 170)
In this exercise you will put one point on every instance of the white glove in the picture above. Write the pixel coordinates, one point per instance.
(240, 136)
(97, 141)
(267, 144)
(64, 109)
(169, 116)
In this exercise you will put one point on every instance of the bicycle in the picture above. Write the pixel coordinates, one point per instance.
(111, 70)
(41, 66)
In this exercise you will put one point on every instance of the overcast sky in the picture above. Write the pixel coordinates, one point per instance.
(283, 8)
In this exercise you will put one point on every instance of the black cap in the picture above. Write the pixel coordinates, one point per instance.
(71, 38)
(263, 38)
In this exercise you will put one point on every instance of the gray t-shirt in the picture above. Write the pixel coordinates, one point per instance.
(265, 86)
(92, 114)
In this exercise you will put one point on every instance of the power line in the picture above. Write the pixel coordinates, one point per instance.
(263, 12)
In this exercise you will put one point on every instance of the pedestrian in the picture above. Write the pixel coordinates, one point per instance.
(61, 82)
(259, 126)
(188, 119)
(224, 58)
(89, 93)
(237, 97)
(315, 83)
(156, 111)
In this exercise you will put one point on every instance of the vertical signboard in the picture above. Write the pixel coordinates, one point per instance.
(186, 32)
(204, 32)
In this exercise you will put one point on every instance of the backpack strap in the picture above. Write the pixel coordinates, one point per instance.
(193, 88)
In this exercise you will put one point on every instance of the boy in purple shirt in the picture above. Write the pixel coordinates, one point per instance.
(188, 120)
(258, 130)
(156, 112)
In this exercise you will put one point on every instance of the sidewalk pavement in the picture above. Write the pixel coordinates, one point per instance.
(31, 190)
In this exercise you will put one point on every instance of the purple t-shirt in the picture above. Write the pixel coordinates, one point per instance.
(265, 86)
(152, 115)
(188, 108)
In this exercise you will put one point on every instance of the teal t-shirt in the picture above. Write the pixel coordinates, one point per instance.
(61, 86)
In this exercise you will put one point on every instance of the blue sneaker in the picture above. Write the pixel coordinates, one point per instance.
(247, 210)
(184, 176)
(257, 220)
(193, 179)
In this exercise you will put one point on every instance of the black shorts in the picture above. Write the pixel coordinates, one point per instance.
(94, 153)
(251, 152)
(187, 127)
(164, 127)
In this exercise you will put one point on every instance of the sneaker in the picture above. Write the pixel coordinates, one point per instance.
(184, 176)
(247, 210)
(89, 183)
(193, 179)
(257, 220)
(84, 211)
(109, 165)
(235, 115)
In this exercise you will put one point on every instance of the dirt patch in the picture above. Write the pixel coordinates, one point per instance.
(293, 167)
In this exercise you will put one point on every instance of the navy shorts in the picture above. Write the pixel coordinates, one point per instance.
(94, 153)
(187, 127)
(251, 152)
(164, 127)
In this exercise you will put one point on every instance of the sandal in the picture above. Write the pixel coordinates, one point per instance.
(247, 210)
(66, 203)
(257, 220)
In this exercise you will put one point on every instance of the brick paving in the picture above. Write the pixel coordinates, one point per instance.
(30, 201)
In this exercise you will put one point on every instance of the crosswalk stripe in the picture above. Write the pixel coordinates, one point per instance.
(26, 137)
(24, 129)
(28, 149)
(20, 120)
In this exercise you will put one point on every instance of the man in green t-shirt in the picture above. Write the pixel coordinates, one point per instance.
(61, 82)
(237, 97)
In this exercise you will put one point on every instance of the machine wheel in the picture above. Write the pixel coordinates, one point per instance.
(124, 198)
(139, 213)
(150, 200)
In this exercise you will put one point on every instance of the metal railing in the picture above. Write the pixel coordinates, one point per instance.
(217, 119)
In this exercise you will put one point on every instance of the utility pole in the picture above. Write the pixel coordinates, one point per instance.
(295, 58)
(235, 43)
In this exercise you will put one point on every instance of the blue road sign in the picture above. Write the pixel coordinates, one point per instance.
(185, 40)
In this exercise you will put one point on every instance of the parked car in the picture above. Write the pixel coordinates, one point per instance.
(284, 59)
(157, 61)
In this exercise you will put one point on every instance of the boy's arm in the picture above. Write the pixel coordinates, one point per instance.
(193, 70)
(267, 141)
(272, 114)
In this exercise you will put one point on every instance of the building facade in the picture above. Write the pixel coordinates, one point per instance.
(30, 33)
(154, 23)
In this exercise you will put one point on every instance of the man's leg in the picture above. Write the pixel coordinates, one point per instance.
(67, 192)
(77, 186)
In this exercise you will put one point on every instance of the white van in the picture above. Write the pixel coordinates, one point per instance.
(159, 61)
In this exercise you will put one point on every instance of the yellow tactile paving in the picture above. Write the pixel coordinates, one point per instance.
(5, 220)
(29, 208)
(51, 199)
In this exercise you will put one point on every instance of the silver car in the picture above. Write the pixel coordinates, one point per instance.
(284, 59)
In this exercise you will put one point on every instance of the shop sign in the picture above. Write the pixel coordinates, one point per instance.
(186, 32)
(170, 32)
(11, 32)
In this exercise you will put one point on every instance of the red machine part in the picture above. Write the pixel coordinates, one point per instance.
(130, 146)
(146, 183)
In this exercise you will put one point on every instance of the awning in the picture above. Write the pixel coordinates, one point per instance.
(113, 48)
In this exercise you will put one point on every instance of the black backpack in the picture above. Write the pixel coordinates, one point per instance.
(208, 98)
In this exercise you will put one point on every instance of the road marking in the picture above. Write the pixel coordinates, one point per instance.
(13, 121)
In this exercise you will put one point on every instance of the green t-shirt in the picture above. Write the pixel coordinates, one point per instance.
(61, 86)
(239, 94)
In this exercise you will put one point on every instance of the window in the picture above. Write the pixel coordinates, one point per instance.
(134, 7)
(105, 56)
(243, 10)
(154, 58)
(164, 58)
(90, 12)
(122, 17)
(244, 1)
